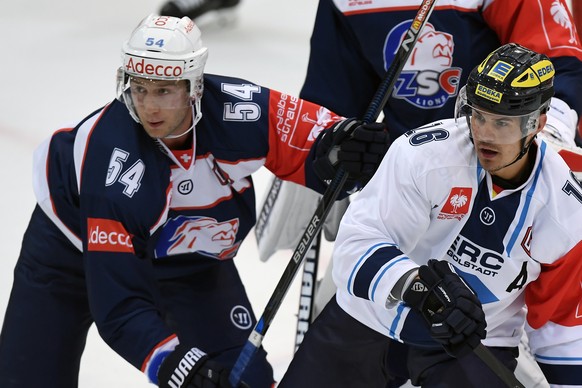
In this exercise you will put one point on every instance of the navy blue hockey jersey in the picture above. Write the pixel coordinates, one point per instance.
(120, 196)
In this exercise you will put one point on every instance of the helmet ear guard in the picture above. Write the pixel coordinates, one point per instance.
(163, 48)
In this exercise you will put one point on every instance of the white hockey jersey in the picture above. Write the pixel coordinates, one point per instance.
(430, 198)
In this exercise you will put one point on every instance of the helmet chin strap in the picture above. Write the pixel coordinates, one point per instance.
(196, 115)
(522, 153)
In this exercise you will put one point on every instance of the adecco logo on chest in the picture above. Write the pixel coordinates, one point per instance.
(153, 67)
(108, 236)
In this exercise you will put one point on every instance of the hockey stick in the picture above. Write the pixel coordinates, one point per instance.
(315, 224)
(306, 305)
(498, 368)
(308, 289)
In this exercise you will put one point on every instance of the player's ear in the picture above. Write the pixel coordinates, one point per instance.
(542, 122)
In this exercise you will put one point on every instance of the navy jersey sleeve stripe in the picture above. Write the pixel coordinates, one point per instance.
(369, 270)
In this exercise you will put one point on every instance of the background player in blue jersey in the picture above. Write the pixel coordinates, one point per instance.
(466, 222)
(143, 204)
(353, 43)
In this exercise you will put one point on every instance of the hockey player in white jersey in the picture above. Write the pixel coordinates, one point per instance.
(468, 232)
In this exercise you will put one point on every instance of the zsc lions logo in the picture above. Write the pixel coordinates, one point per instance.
(203, 235)
(427, 80)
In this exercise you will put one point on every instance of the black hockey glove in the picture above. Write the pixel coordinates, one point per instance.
(356, 146)
(190, 367)
(454, 314)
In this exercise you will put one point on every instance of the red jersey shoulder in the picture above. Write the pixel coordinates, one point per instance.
(556, 295)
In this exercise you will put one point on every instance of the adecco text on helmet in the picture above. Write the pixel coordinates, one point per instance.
(152, 67)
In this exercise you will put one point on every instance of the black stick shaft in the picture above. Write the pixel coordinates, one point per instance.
(329, 197)
(497, 367)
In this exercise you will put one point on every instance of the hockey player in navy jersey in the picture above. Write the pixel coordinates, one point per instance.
(469, 230)
(366, 36)
(143, 204)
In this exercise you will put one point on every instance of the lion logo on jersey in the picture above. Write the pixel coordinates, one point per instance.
(433, 48)
(203, 235)
(427, 81)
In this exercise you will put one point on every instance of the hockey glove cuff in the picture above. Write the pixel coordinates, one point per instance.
(357, 147)
(190, 367)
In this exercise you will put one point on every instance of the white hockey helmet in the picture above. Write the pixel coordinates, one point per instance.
(163, 48)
